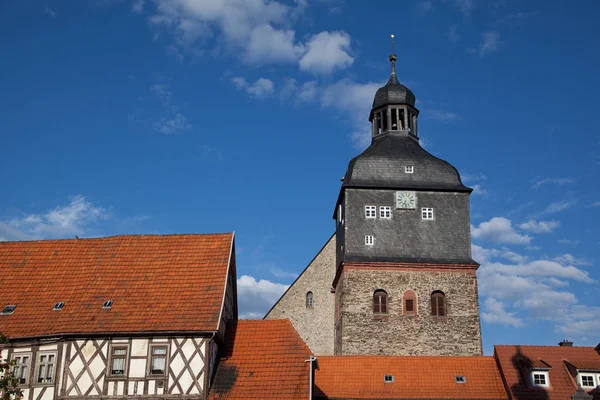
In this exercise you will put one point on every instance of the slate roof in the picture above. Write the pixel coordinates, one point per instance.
(166, 283)
(393, 92)
(415, 377)
(263, 359)
(382, 164)
(513, 362)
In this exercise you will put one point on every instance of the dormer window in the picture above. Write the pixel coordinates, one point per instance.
(409, 169)
(540, 378)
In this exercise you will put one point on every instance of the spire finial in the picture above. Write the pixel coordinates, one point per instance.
(393, 56)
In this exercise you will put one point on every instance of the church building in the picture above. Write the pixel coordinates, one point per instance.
(397, 278)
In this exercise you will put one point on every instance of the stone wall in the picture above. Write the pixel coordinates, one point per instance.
(362, 332)
(314, 325)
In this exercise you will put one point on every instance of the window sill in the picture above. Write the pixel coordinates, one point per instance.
(116, 377)
(379, 317)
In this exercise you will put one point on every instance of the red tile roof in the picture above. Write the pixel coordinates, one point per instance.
(513, 361)
(362, 377)
(157, 282)
(262, 359)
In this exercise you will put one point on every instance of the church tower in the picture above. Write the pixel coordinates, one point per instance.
(405, 283)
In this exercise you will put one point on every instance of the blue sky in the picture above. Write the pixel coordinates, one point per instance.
(172, 116)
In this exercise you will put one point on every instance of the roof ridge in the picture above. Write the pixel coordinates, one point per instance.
(125, 235)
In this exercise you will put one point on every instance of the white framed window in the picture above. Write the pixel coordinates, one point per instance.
(540, 379)
(587, 380)
(427, 213)
(46, 363)
(158, 359)
(21, 368)
(118, 360)
(370, 212)
(385, 212)
(409, 169)
(369, 240)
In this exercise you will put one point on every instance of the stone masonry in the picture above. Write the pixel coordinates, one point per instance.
(314, 325)
(360, 331)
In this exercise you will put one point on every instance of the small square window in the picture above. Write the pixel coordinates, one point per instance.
(107, 304)
(46, 367)
(461, 379)
(369, 240)
(587, 381)
(427, 213)
(409, 169)
(539, 378)
(58, 305)
(21, 368)
(385, 212)
(370, 212)
(118, 360)
(388, 378)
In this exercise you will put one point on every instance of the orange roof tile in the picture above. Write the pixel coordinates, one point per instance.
(163, 283)
(513, 361)
(415, 377)
(263, 359)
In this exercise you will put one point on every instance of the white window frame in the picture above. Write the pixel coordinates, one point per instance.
(409, 169)
(369, 240)
(546, 376)
(45, 364)
(587, 374)
(110, 360)
(385, 212)
(371, 212)
(427, 213)
(19, 366)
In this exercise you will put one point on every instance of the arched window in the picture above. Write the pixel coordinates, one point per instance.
(409, 300)
(438, 304)
(309, 299)
(380, 302)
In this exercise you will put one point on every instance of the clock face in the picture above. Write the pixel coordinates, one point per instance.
(406, 200)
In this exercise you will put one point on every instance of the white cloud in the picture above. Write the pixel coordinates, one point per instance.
(465, 6)
(496, 314)
(137, 6)
(290, 90)
(50, 12)
(280, 273)
(595, 204)
(479, 190)
(354, 100)
(539, 227)
(557, 181)
(489, 43)
(441, 116)
(500, 230)
(175, 123)
(259, 89)
(473, 178)
(327, 51)
(452, 34)
(60, 222)
(257, 297)
(568, 242)
(535, 290)
(270, 45)
(558, 206)
(571, 260)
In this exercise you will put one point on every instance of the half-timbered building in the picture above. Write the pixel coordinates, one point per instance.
(124, 316)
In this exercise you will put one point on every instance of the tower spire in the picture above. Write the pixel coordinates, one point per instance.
(393, 56)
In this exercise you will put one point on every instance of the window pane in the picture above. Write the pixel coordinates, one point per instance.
(119, 352)
(159, 350)
(51, 358)
(42, 373)
(49, 372)
(118, 366)
(158, 365)
(409, 305)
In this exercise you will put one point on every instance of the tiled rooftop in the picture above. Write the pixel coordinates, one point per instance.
(157, 282)
(514, 359)
(362, 377)
(262, 360)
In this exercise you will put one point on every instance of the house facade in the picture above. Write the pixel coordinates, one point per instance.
(122, 316)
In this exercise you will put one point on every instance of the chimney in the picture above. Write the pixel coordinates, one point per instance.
(565, 343)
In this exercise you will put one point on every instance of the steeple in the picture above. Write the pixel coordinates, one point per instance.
(394, 106)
